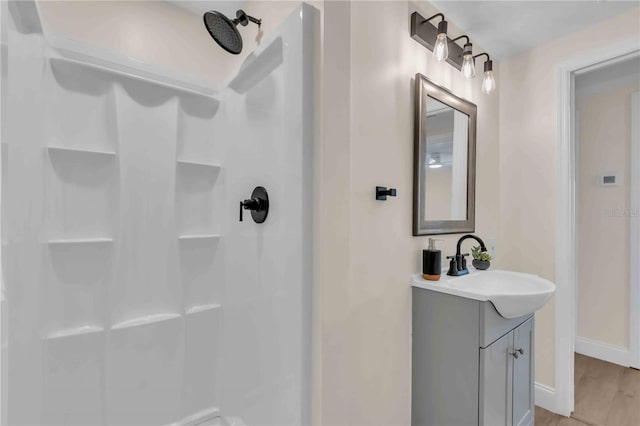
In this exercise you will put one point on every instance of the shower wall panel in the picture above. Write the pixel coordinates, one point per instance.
(266, 111)
(133, 293)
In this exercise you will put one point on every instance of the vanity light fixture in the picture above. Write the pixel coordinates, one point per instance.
(489, 82)
(468, 64)
(435, 39)
(441, 46)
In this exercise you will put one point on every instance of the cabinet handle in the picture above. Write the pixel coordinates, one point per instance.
(516, 353)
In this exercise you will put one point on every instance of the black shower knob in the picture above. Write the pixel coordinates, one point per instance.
(258, 204)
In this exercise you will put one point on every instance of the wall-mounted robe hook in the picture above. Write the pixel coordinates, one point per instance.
(382, 192)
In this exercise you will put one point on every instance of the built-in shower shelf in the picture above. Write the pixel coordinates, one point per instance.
(71, 241)
(188, 237)
(189, 163)
(146, 320)
(258, 66)
(120, 66)
(77, 331)
(202, 308)
(78, 151)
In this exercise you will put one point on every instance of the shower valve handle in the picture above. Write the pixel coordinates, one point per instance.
(251, 204)
(258, 204)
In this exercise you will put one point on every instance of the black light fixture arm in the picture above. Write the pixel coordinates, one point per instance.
(434, 16)
(462, 36)
(482, 54)
(488, 64)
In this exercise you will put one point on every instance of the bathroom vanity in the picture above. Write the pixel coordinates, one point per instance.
(471, 365)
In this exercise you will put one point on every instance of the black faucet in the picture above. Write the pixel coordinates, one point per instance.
(458, 264)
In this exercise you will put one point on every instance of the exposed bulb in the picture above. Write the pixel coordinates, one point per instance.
(468, 67)
(441, 48)
(489, 83)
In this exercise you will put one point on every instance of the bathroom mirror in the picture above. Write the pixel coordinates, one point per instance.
(444, 161)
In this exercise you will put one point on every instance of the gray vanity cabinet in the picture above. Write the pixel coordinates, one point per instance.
(506, 379)
(470, 366)
(523, 375)
(496, 378)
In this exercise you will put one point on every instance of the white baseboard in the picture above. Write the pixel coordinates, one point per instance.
(604, 351)
(545, 397)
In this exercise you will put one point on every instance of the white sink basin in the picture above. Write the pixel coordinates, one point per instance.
(513, 294)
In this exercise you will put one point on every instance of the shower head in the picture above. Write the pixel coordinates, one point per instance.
(223, 30)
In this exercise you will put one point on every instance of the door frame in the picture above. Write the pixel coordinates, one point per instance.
(634, 240)
(565, 246)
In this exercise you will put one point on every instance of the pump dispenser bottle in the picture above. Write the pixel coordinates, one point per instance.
(431, 261)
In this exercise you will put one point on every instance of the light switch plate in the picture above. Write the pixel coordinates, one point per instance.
(492, 247)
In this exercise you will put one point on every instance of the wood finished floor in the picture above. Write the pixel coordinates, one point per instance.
(605, 395)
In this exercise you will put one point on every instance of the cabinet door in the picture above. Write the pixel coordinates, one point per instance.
(523, 377)
(496, 369)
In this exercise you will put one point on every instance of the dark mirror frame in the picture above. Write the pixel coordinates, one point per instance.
(424, 88)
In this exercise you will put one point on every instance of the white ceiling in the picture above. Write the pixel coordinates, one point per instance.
(199, 7)
(504, 28)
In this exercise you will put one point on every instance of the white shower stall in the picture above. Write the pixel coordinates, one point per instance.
(132, 294)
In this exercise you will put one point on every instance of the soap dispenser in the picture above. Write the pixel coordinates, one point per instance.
(431, 261)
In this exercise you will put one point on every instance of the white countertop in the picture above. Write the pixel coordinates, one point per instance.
(513, 293)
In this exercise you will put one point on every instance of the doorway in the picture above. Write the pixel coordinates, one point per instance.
(604, 101)
(568, 216)
(603, 109)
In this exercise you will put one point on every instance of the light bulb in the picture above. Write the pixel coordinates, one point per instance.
(441, 48)
(489, 83)
(468, 67)
(468, 63)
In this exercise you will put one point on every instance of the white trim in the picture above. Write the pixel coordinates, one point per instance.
(576, 177)
(545, 397)
(565, 245)
(565, 259)
(604, 351)
(634, 249)
(3, 313)
(620, 52)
